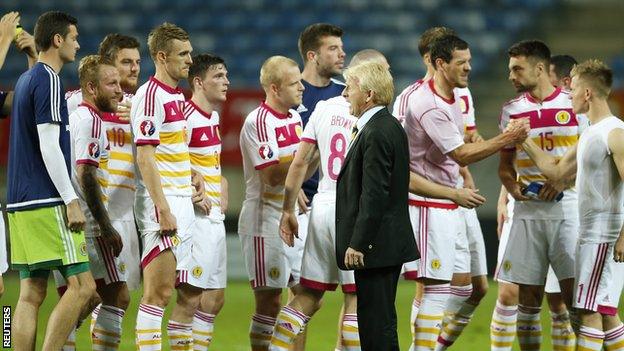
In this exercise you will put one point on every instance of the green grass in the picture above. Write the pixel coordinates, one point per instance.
(231, 326)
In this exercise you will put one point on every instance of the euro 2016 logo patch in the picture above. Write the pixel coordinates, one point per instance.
(94, 150)
(563, 117)
(147, 128)
(265, 152)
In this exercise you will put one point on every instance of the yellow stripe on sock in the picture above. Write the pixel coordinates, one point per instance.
(583, 348)
(147, 331)
(188, 347)
(616, 346)
(351, 343)
(529, 333)
(563, 337)
(350, 329)
(175, 337)
(284, 331)
(426, 343)
(106, 332)
(430, 317)
(199, 332)
(148, 342)
(201, 342)
(280, 343)
(563, 347)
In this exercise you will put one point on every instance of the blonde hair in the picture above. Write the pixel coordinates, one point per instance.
(272, 69)
(160, 38)
(375, 77)
(595, 73)
(89, 68)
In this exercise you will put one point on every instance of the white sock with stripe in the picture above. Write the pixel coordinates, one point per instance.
(180, 336)
(203, 326)
(288, 325)
(589, 339)
(529, 328)
(614, 339)
(562, 334)
(70, 343)
(457, 322)
(503, 327)
(148, 328)
(430, 315)
(261, 330)
(413, 316)
(94, 315)
(350, 333)
(106, 334)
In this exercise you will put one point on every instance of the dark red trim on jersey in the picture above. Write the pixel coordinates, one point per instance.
(265, 165)
(471, 128)
(311, 284)
(349, 288)
(141, 142)
(448, 101)
(202, 112)
(308, 140)
(87, 162)
(548, 98)
(165, 87)
(275, 113)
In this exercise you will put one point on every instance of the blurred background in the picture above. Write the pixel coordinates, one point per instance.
(245, 32)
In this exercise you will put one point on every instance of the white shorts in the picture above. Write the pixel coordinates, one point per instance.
(552, 283)
(209, 262)
(536, 243)
(435, 230)
(154, 243)
(476, 245)
(4, 262)
(598, 278)
(503, 240)
(319, 269)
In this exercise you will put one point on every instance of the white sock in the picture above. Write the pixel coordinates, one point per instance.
(562, 335)
(261, 330)
(529, 328)
(203, 326)
(94, 315)
(430, 315)
(614, 339)
(350, 333)
(503, 327)
(180, 335)
(590, 339)
(287, 326)
(106, 334)
(455, 325)
(413, 315)
(148, 328)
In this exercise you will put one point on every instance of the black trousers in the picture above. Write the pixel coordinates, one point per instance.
(377, 320)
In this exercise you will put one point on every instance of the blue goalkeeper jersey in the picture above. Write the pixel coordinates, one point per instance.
(39, 99)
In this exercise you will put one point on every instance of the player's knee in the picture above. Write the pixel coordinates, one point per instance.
(87, 292)
(269, 306)
(218, 304)
(508, 297)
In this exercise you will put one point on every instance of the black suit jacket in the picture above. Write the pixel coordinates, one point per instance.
(371, 196)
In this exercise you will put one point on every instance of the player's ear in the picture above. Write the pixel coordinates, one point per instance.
(57, 40)
(91, 88)
(161, 55)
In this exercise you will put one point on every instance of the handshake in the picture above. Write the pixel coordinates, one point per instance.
(518, 130)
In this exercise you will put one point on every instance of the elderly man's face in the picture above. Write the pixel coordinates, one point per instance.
(356, 98)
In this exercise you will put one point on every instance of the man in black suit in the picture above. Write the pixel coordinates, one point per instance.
(373, 230)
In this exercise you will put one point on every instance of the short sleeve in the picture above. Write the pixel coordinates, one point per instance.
(147, 115)
(261, 143)
(468, 110)
(87, 141)
(502, 124)
(310, 131)
(47, 98)
(442, 130)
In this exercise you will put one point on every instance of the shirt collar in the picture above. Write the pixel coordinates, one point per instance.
(361, 122)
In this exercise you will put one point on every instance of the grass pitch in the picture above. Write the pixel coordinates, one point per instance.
(231, 326)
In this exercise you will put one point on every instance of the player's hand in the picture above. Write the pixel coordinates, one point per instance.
(168, 223)
(204, 206)
(550, 190)
(111, 239)
(8, 23)
(75, 217)
(302, 200)
(199, 190)
(468, 198)
(618, 248)
(123, 110)
(518, 129)
(501, 217)
(25, 42)
(289, 228)
(354, 259)
(476, 138)
(516, 193)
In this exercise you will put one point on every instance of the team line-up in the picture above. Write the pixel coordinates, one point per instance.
(94, 170)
